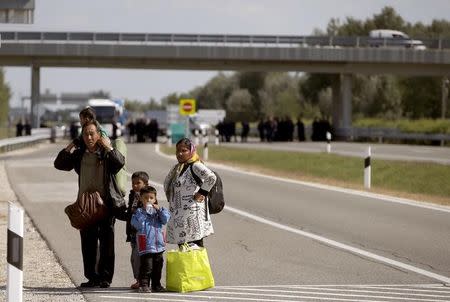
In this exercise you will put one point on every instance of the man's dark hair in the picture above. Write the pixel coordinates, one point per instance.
(92, 122)
(141, 175)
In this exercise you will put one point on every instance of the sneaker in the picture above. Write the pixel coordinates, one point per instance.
(90, 283)
(158, 289)
(144, 289)
(135, 285)
(104, 284)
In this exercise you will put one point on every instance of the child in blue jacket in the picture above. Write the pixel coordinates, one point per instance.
(150, 238)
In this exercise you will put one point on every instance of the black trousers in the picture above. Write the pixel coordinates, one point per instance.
(151, 269)
(99, 266)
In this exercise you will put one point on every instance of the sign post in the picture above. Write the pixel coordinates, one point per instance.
(187, 108)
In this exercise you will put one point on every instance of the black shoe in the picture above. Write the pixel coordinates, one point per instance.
(158, 289)
(104, 284)
(90, 283)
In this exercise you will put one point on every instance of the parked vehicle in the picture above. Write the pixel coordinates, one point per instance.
(393, 38)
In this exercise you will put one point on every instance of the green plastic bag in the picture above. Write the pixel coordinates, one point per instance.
(188, 271)
(121, 176)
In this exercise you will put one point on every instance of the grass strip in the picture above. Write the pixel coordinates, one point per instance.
(418, 180)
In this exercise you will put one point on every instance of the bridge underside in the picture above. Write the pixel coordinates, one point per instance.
(340, 61)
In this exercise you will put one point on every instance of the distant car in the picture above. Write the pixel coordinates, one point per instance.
(393, 38)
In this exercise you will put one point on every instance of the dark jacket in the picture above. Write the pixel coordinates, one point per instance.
(113, 161)
(130, 230)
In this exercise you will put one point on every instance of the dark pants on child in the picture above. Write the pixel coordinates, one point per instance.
(99, 235)
(151, 269)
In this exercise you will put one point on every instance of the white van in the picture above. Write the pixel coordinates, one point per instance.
(393, 38)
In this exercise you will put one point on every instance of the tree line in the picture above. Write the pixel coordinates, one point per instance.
(251, 96)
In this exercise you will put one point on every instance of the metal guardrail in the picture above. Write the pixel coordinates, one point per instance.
(38, 135)
(302, 41)
(386, 133)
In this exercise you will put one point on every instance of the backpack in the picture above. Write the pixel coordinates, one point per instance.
(121, 176)
(216, 200)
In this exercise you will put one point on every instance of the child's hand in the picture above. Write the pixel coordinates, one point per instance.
(105, 143)
(70, 147)
(156, 206)
(199, 197)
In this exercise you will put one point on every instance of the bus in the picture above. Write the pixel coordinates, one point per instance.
(108, 113)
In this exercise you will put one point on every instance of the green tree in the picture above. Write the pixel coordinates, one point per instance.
(214, 94)
(5, 95)
(240, 106)
(280, 96)
(253, 82)
(421, 97)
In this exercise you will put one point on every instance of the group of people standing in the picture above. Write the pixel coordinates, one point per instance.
(188, 222)
(141, 129)
(23, 128)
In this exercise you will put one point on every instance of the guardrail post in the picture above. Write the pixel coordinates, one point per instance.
(169, 138)
(196, 138)
(216, 140)
(367, 169)
(328, 142)
(15, 254)
(205, 151)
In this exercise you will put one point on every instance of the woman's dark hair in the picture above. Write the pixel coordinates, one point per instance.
(185, 141)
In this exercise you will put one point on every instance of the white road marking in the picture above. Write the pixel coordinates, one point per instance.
(333, 242)
(278, 293)
(341, 245)
(404, 201)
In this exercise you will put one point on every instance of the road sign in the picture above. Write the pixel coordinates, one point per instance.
(187, 106)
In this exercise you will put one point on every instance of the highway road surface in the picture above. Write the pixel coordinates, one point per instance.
(434, 154)
(277, 239)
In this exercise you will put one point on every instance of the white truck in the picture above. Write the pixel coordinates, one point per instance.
(107, 112)
(393, 38)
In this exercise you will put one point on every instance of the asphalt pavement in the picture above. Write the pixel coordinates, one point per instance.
(277, 240)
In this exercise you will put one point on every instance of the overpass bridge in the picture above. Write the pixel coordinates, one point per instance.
(342, 56)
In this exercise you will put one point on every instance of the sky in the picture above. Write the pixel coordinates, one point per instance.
(247, 17)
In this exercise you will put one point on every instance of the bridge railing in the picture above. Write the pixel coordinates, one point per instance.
(225, 39)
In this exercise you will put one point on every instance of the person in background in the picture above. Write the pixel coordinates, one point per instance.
(19, 128)
(27, 127)
(190, 220)
(139, 180)
(300, 129)
(96, 162)
(148, 222)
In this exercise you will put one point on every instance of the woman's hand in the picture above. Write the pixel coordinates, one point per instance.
(199, 197)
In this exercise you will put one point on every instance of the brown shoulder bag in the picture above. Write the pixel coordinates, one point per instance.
(88, 209)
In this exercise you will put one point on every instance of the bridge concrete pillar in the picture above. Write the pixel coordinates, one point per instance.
(35, 95)
(342, 105)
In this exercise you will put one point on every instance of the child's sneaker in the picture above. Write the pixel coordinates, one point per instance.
(135, 285)
(158, 289)
(144, 289)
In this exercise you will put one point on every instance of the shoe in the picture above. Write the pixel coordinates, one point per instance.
(90, 283)
(135, 285)
(104, 284)
(158, 289)
(144, 289)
